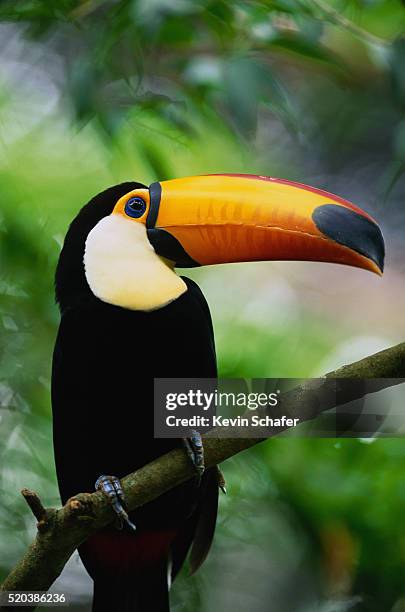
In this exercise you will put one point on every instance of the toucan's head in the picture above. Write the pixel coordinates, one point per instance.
(126, 242)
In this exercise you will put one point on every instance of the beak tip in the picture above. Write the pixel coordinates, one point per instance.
(380, 270)
(353, 230)
(376, 269)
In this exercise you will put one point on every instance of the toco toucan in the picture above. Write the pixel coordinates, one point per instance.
(127, 317)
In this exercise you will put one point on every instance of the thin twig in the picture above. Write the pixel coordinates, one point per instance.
(36, 507)
(338, 19)
(35, 504)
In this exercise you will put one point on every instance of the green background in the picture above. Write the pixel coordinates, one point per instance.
(93, 93)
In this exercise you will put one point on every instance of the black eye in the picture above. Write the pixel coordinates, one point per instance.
(135, 207)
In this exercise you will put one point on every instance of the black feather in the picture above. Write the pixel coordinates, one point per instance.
(105, 362)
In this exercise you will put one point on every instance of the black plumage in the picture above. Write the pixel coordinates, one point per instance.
(105, 360)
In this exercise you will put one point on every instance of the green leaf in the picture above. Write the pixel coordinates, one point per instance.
(397, 64)
(301, 47)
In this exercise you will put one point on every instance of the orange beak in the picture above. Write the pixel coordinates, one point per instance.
(224, 218)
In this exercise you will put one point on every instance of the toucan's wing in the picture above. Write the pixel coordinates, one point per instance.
(198, 531)
(207, 519)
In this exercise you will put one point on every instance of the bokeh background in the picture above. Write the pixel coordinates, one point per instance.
(100, 91)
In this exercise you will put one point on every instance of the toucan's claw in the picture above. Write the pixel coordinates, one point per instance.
(111, 487)
(195, 451)
(221, 480)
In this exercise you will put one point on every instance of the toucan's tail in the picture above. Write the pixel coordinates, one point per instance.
(142, 592)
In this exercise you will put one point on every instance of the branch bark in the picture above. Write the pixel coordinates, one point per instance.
(61, 531)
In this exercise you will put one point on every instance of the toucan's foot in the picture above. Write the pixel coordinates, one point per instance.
(221, 480)
(195, 451)
(111, 486)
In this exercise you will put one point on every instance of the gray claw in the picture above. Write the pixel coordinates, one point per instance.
(111, 487)
(195, 451)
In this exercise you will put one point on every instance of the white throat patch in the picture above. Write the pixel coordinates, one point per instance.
(123, 269)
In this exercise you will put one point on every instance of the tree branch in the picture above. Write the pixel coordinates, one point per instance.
(61, 531)
(335, 17)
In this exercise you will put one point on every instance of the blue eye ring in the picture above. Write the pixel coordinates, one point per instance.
(135, 207)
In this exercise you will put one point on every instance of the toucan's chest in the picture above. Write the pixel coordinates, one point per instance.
(105, 361)
(123, 345)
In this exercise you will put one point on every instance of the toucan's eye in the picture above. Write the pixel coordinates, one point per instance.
(135, 207)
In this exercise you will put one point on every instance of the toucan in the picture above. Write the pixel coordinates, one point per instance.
(127, 318)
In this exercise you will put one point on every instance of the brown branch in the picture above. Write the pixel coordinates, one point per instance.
(37, 509)
(61, 531)
(35, 504)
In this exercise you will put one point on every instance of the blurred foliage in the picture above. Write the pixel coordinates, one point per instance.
(160, 54)
(95, 92)
(323, 71)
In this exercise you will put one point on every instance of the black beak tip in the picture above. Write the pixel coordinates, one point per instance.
(351, 229)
